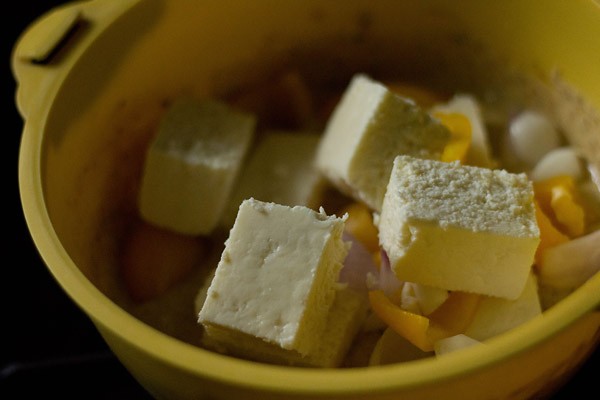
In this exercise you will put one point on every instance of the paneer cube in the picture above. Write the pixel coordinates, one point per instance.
(275, 286)
(280, 170)
(192, 163)
(459, 227)
(369, 127)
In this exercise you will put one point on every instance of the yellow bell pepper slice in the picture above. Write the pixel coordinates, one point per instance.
(568, 213)
(460, 136)
(415, 328)
(377, 259)
(549, 235)
(360, 225)
(456, 313)
(557, 199)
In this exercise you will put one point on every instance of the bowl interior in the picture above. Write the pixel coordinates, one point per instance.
(87, 159)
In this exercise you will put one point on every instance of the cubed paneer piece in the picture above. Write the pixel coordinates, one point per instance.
(369, 127)
(345, 318)
(459, 227)
(280, 170)
(192, 163)
(276, 281)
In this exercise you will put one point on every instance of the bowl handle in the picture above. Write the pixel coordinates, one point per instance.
(49, 46)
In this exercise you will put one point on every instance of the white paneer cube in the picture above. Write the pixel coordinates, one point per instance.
(459, 227)
(280, 170)
(345, 318)
(368, 129)
(192, 164)
(277, 279)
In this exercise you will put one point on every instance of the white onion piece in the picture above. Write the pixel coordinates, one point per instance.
(357, 266)
(391, 348)
(560, 161)
(409, 300)
(388, 282)
(532, 135)
(429, 297)
(453, 343)
(570, 264)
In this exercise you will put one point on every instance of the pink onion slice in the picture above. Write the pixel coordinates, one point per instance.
(359, 264)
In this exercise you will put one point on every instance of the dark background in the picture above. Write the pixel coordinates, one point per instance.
(49, 348)
(48, 345)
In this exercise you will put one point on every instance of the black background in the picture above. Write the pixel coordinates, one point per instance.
(48, 345)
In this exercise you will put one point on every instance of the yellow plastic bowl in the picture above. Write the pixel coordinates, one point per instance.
(92, 75)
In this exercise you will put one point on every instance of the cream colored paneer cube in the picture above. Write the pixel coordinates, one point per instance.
(344, 321)
(280, 170)
(459, 227)
(479, 153)
(495, 316)
(192, 163)
(276, 281)
(369, 127)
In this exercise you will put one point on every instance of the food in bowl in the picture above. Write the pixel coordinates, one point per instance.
(276, 293)
(449, 250)
(459, 228)
(191, 165)
(78, 195)
(368, 129)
